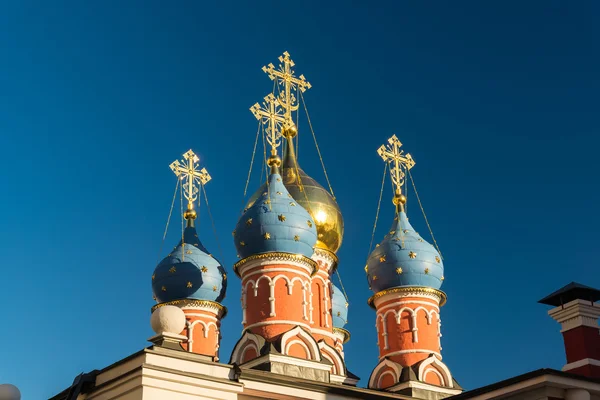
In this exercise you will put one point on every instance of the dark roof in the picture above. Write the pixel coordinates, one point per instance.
(518, 379)
(573, 291)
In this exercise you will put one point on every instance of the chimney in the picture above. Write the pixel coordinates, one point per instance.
(576, 310)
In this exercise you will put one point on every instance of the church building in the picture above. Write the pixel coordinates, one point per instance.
(294, 316)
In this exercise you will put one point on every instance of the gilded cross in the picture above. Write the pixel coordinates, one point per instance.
(270, 114)
(399, 161)
(191, 177)
(285, 76)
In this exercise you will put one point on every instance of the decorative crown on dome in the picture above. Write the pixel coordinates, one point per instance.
(275, 222)
(307, 192)
(339, 307)
(403, 258)
(189, 271)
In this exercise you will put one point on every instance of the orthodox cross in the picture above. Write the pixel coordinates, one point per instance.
(398, 161)
(270, 114)
(285, 76)
(191, 177)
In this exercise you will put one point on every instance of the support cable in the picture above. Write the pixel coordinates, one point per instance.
(162, 243)
(425, 216)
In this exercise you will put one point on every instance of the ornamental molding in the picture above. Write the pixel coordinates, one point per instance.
(576, 313)
(275, 258)
(328, 258)
(407, 291)
(342, 334)
(205, 305)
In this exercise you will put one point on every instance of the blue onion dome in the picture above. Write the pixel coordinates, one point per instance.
(189, 272)
(339, 308)
(403, 258)
(275, 222)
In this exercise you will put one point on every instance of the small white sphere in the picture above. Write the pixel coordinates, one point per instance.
(9, 392)
(168, 319)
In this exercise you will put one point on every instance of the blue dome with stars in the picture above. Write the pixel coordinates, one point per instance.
(339, 308)
(403, 258)
(189, 272)
(275, 223)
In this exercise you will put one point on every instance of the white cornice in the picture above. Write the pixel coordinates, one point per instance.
(581, 363)
(576, 313)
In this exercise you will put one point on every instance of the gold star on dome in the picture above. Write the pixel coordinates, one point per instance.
(367, 268)
(196, 244)
(382, 258)
(392, 232)
(214, 288)
(292, 204)
(281, 217)
(442, 278)
(224, 277)
(265, 193)
(267, 235)
(290, 196)
(242, 243)
(405, 230)
(296, 238)
(421, 240)
(249, 221)
(189, 285)
(188, 252)
(204, 269)
(153, 276)
(164, 289)
(279, 193)
(426, 271)
(437, 259)
(398, 270)
(377, 245)
(172, 269)
(346, 304)
(268, 201)
(412, 255)
(233, 233)
(278, 179)
(154, 297)
(339, 314)
(309, 223)
(374, 277)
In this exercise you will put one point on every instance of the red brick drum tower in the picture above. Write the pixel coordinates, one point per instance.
(405, 273)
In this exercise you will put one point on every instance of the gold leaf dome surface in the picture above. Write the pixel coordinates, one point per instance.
(314, 198)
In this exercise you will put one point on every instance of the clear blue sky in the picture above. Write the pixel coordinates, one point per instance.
(498, 103)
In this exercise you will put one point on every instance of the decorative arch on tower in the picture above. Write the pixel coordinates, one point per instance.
(297, 341)
(332, 355)
(386, 374)
(432, 370)
(247, 348)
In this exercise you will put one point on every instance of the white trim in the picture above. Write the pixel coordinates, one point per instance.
(382, 364)
(410, 351)
(435, 372)
(262, 265)
(342, 379)
(581, 363)
(388, 372)
(211, 317)
(241, 345)
(435, 363)
(300, 362)
(313, 351)
(301, 343)
(325, 257)
(277, 322)
(325, 333)
(401, 303)
(576, 313)
(399, 295)
(429, 387)
(334, 357)
(249, 345)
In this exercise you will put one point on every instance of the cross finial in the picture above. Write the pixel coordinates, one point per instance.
(285, 77)
(270, 114)
(399, 162)
(190, 175)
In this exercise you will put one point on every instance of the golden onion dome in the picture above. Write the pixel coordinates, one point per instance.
(314, 198)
